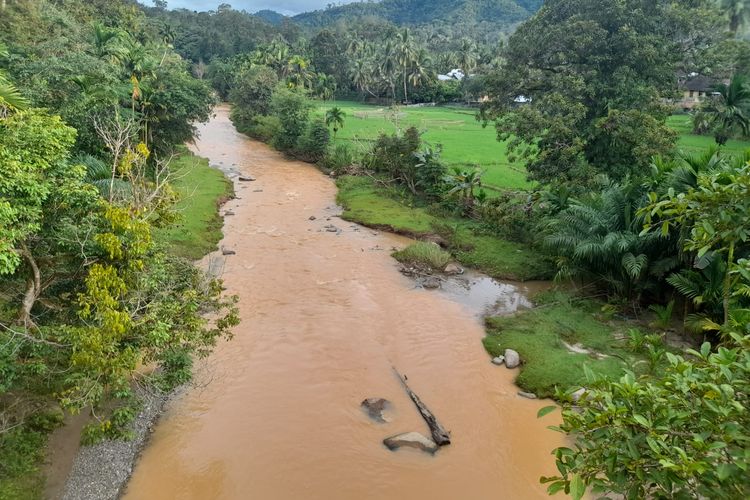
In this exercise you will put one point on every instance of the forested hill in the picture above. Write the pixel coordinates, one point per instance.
(501, 13)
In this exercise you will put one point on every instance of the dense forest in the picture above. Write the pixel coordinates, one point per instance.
(97, 97)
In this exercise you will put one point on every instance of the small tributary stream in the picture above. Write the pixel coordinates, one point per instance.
(325, 315)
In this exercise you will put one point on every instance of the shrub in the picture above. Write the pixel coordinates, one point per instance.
(265, 128)
(339, 159)
(511, 215)
(292, 108)
(424, 255)
(313, 145)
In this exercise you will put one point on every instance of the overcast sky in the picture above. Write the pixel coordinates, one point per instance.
(287, 7)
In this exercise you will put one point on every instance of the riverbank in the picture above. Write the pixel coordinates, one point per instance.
(77, 472)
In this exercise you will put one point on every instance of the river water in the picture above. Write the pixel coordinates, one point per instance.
(325, 316)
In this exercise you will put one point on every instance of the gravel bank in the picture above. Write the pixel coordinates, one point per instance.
(101, 471)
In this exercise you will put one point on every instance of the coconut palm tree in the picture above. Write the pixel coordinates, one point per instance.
(297, 71)
(405, 54)
(466, 57)
(362, 76)
(335, 118)
(421, 69)
(389, 66)
(324, 86)
(729, 109)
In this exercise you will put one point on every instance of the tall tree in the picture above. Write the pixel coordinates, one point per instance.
(593, 69)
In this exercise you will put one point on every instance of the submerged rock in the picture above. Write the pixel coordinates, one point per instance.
(411, 440)
(228, 213)
(374, 408)
(246, 178)
(431, 283)
(499, 360)
(512, 359)
(527, 395)
(312, 217)
(226, 251)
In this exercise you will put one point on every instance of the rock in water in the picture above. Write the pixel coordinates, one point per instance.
(374, 407)
(226, 251)
(431, 283)
(452, 269)
(246, 178)
(411, 440)
(498, 360)
(312, 217)
(527, 395)
(512, 359)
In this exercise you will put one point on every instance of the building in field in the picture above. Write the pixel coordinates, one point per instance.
(695, 89)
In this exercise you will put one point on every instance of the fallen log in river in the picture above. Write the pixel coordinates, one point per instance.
(439, 434)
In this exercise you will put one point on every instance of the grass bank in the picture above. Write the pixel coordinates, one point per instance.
(202, 190)
(372, 205)
(553, 338)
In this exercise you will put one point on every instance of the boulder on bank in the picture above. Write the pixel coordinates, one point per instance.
(374, 408)
(453, 269)
(499, 360)
(411, 440)
(512, 359)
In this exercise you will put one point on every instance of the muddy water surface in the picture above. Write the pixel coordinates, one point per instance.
(325, 315)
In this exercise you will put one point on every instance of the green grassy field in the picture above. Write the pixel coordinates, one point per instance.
(467, 144)
(201, 190)
(691, 143)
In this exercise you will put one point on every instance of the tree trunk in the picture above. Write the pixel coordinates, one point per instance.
(439, 434)
(406, 95)
(33, 288)
(728, 283)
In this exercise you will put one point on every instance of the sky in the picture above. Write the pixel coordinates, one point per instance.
(287, 7)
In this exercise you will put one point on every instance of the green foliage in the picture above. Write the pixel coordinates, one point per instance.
(292, 108)
(313, 144)
(596, 72)
(34, 175)
(423, 255)
(681, 435)
(728, 111)
(335, 118)
(251, 96)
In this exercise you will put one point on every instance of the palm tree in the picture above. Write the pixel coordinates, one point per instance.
(729, 109)
(297, 71)
(405, 56)
(10, 98)
(467, 56)
(362, 76)
(335, 117)
(106, 42)
(324, 86)
(388, 66)
(463, 183)
(421, 68)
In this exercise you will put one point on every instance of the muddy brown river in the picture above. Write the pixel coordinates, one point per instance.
(325, 315)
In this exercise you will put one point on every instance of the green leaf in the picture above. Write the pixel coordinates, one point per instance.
(642, 420)
(545, 411)
(723, 471)
(577, 487)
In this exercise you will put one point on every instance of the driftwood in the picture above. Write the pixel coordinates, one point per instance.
(439, 434)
